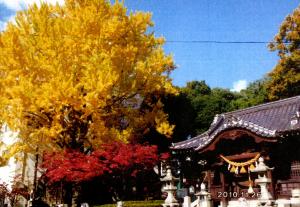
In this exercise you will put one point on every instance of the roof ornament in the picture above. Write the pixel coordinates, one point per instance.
(215, 119)
(202, 162)
(188, 159)
(234, 120)
(295, 119)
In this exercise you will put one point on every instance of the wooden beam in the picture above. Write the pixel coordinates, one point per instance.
(237, 157)
(233, 134)
(244, 155)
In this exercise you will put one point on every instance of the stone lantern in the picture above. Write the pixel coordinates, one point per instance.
(170, 188)
(261, 169)
(203, 196)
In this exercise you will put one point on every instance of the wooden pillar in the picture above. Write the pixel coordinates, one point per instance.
(223, 180)
(272, 186)
(209, 181)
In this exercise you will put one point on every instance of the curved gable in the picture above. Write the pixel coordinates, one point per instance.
(267, 121)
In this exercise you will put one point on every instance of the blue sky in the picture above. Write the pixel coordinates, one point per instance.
(220, 65)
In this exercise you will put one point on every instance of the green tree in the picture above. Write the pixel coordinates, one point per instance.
(285, 77)
(254, 94)
(207, 106)
(206, 103)
(193, 110)
(196, 88)
(182, 114)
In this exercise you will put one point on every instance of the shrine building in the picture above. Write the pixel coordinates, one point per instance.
(224, 156)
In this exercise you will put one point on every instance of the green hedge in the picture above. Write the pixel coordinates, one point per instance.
(155, 203)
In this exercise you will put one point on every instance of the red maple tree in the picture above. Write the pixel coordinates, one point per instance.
(13, 192)
(74, 166)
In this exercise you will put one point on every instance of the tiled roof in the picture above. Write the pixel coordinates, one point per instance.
(270, 120)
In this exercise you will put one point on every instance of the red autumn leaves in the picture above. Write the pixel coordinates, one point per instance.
(74, 166)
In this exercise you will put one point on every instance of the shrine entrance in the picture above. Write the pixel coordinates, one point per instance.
(224, 156)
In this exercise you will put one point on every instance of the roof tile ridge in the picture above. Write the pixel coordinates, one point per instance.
(216, 124)
(281, 101)
(189, 140)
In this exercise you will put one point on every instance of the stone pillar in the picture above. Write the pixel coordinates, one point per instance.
(186, 201)
(29, 203)
(74, 196)
(120, 204)
(295, 199)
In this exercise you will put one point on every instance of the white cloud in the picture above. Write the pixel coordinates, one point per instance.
(22, 4)
(16, 5)
(239, 85)
(3, 24)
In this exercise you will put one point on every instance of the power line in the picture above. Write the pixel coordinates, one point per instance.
(173, 41)
(222, 42)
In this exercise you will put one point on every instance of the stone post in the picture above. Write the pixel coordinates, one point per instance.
(295, 199)
(29, 202)
(120, 204)
(186, 201)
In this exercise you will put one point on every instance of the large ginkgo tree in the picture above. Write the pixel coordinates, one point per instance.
(82, 74)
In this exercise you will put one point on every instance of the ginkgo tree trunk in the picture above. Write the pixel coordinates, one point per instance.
(80, 74)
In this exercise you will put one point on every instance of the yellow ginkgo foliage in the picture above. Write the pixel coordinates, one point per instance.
(81, 74)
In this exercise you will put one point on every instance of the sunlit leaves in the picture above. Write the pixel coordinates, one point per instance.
(285, 77)
(74, 166)
(76, 75)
